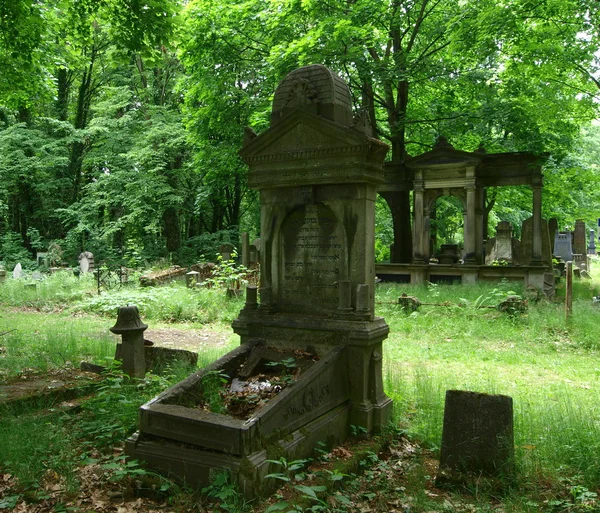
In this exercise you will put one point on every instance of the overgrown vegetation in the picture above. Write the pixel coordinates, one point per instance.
(546, 363)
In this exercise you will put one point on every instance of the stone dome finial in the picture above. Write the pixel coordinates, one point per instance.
(314, 89)
(442, 142)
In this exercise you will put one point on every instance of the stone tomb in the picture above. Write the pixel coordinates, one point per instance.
(317, 171)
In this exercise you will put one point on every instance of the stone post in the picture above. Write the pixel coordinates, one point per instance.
(470, 227)
(536, 251)
(245, 249)
(191, 279)
(131, 328)
(592, 245)
(569, 290)
(418, 256)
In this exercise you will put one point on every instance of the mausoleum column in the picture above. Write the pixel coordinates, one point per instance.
(536, 251)
(419, 190)
(470, 228)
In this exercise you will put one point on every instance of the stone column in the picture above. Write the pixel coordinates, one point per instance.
(470, 225)
(419, 235)
(536, 252)
(131, 328)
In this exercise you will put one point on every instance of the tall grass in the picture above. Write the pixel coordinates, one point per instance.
(42, 342)
(548, 364)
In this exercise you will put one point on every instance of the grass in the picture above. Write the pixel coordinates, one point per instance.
(548, 364)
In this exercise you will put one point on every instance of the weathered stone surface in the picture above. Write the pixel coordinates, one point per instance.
(478, 433)
(552, 229)
(563, 246)
(591, 249)
(579, 238)
(504, 247)
(527, 243)
(317, 177)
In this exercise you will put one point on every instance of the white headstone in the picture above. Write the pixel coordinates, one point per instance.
(17, 271)
(84, 264)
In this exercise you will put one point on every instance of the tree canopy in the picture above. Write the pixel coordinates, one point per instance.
(120, 120)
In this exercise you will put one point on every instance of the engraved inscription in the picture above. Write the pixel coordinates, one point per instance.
(312, 398)
(313, 245)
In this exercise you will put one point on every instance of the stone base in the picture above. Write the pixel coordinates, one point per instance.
(195, 466)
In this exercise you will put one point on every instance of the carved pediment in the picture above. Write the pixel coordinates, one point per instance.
(305, 134)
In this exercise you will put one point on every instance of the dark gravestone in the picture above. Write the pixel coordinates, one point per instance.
(579, 242)
(478, 434)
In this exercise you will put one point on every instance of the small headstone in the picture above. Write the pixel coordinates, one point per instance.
(42, 258)
(562, 246)
(2, 275)
(191, 279)
(86, 262)
(478, 434)
(226, 250)
(17, 271)
(504, 247)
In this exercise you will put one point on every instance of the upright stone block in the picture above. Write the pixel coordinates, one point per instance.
(579, 236)
(478, 433)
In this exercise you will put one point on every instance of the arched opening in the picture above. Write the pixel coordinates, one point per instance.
(447, 221)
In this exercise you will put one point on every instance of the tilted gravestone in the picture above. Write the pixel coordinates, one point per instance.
(317, 176)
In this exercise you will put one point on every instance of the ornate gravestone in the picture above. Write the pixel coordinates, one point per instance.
(317, 176)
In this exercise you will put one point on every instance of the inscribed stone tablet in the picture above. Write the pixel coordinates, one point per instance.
(313, 259)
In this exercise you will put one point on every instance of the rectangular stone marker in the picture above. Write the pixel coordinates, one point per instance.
(579, 242)
(478, 434)
(563, 246)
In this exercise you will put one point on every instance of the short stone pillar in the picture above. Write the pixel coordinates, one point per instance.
(131, 328)
(569, 290)
(592, 245)
(478, 434)
(191, 279)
